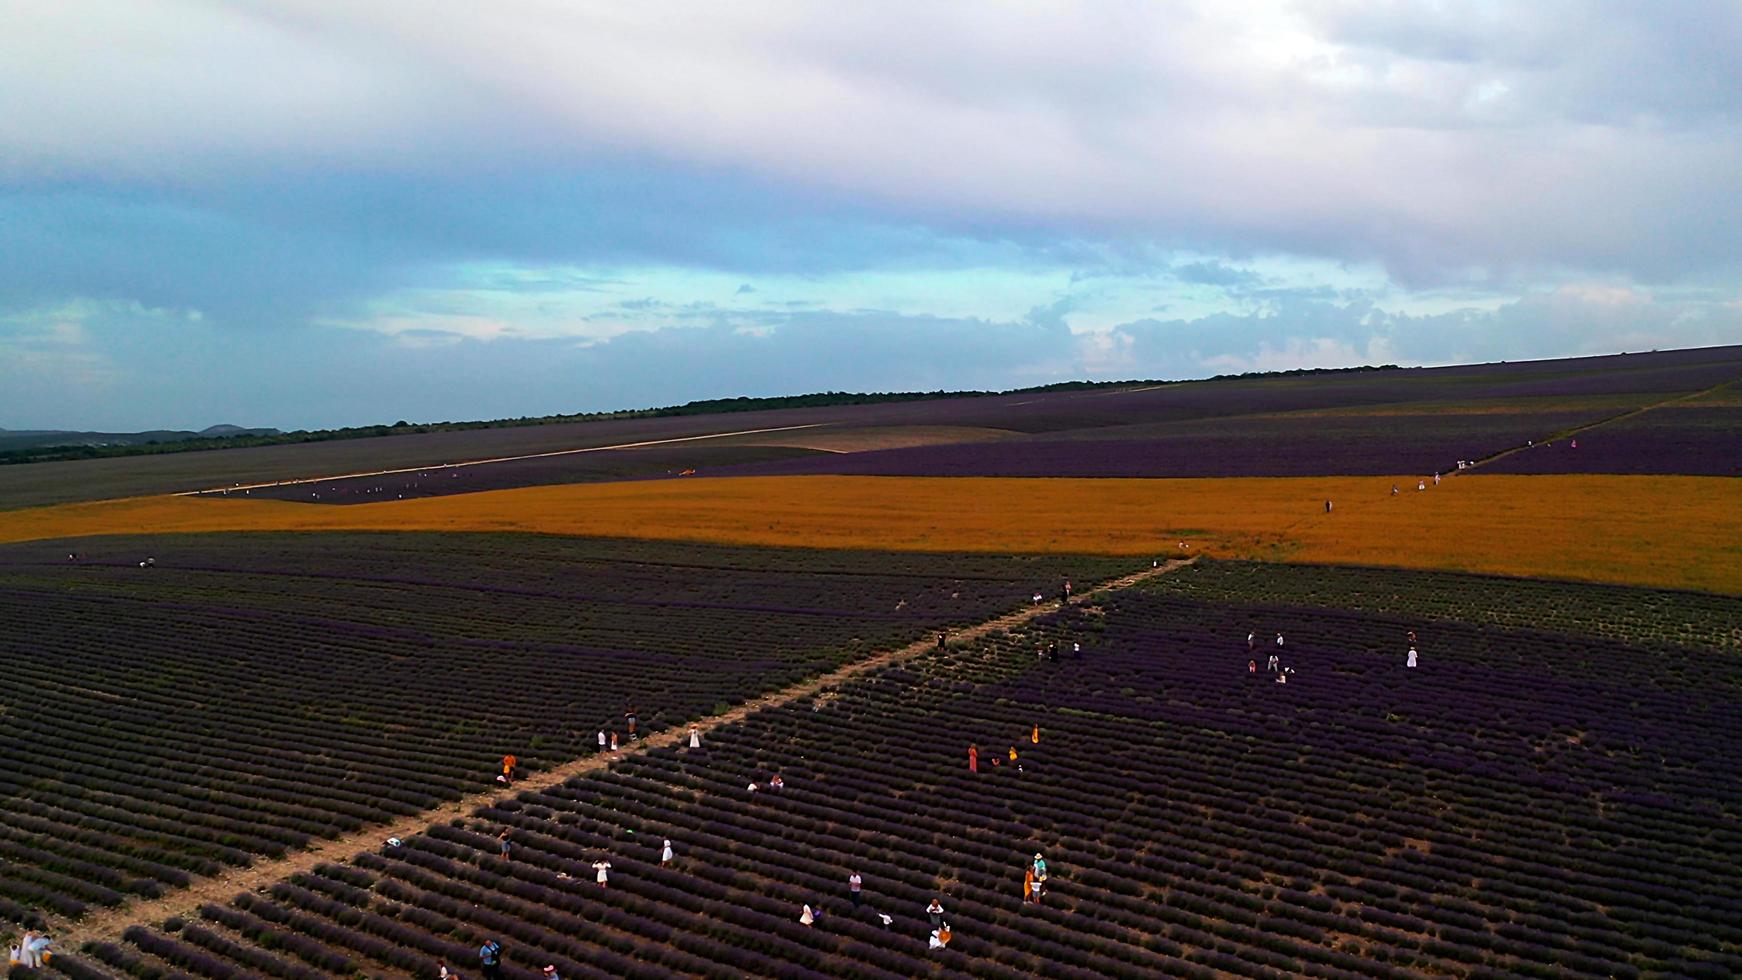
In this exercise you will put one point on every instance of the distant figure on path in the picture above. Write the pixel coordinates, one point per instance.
(1411, 661)
(1028, 886)
(630, 718)
(805, 917)
(1251, 666)
(1076, 650)
(1421, 484)
(1273, 664)
(1035, 737)
(1037, 598)
(503, 837)
(854, 883)
(1412, 637)
(490, 959)
(602, 741)
(695, 737)
(1013, 761)
(613, 741)
(942, 637)
(973, 758)
(602, 872)
(665, 854)
(1394, 489)
(1327, 506)
(1279, 640)
(508, 764)
(1436, 479)
(936, 911)
(1251, 641)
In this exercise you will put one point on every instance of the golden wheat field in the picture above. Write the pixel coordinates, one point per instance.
(1669, 531)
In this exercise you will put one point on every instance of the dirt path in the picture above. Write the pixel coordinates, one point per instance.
(1624, 416)
(106, 925)
(498, 459)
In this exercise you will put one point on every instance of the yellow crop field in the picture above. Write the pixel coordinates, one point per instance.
(1678, 532)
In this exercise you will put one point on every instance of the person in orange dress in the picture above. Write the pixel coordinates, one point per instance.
(973, 758)
(508, 764)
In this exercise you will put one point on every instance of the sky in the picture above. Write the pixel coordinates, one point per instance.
(311, 213)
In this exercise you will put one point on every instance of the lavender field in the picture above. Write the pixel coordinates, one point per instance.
(251, 693)
(1526, 802)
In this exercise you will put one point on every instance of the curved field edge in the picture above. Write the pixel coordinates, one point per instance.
(1660, 531)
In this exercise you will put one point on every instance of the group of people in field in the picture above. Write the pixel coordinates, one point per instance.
(1273, 664)
(32, 951)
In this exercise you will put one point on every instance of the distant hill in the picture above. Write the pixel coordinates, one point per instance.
(34, 441)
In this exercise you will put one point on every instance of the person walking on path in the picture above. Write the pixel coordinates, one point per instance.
(1327, 506)
(973, 758)
(936, 911)
(602, 872)
(854, 883)
(613, 741)
(695, 737)
(665, 853)
(490, 959)
(1411, 661)
(942, 639)
(630, 718)
(602, 741)
(504, 838)
(508, 764)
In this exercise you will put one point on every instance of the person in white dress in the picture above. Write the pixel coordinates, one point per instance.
(602, 873)
(695, 737)
(666, 855)
(805, 917)
(1411, 661)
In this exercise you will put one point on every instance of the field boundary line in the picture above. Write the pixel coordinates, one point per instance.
(1575, 430)
(497, 459)
(107, 924)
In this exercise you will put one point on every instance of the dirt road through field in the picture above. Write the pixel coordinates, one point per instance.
(497, 459)
(106, 925)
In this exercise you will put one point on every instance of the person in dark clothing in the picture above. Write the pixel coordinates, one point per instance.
(941, 638)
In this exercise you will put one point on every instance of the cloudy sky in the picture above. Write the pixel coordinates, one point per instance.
(324, 212)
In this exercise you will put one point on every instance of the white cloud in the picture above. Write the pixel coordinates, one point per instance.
(1430, 139)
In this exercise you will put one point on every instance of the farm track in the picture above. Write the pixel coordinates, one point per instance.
(496, 459)
(107, 925)
(1624, 416)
